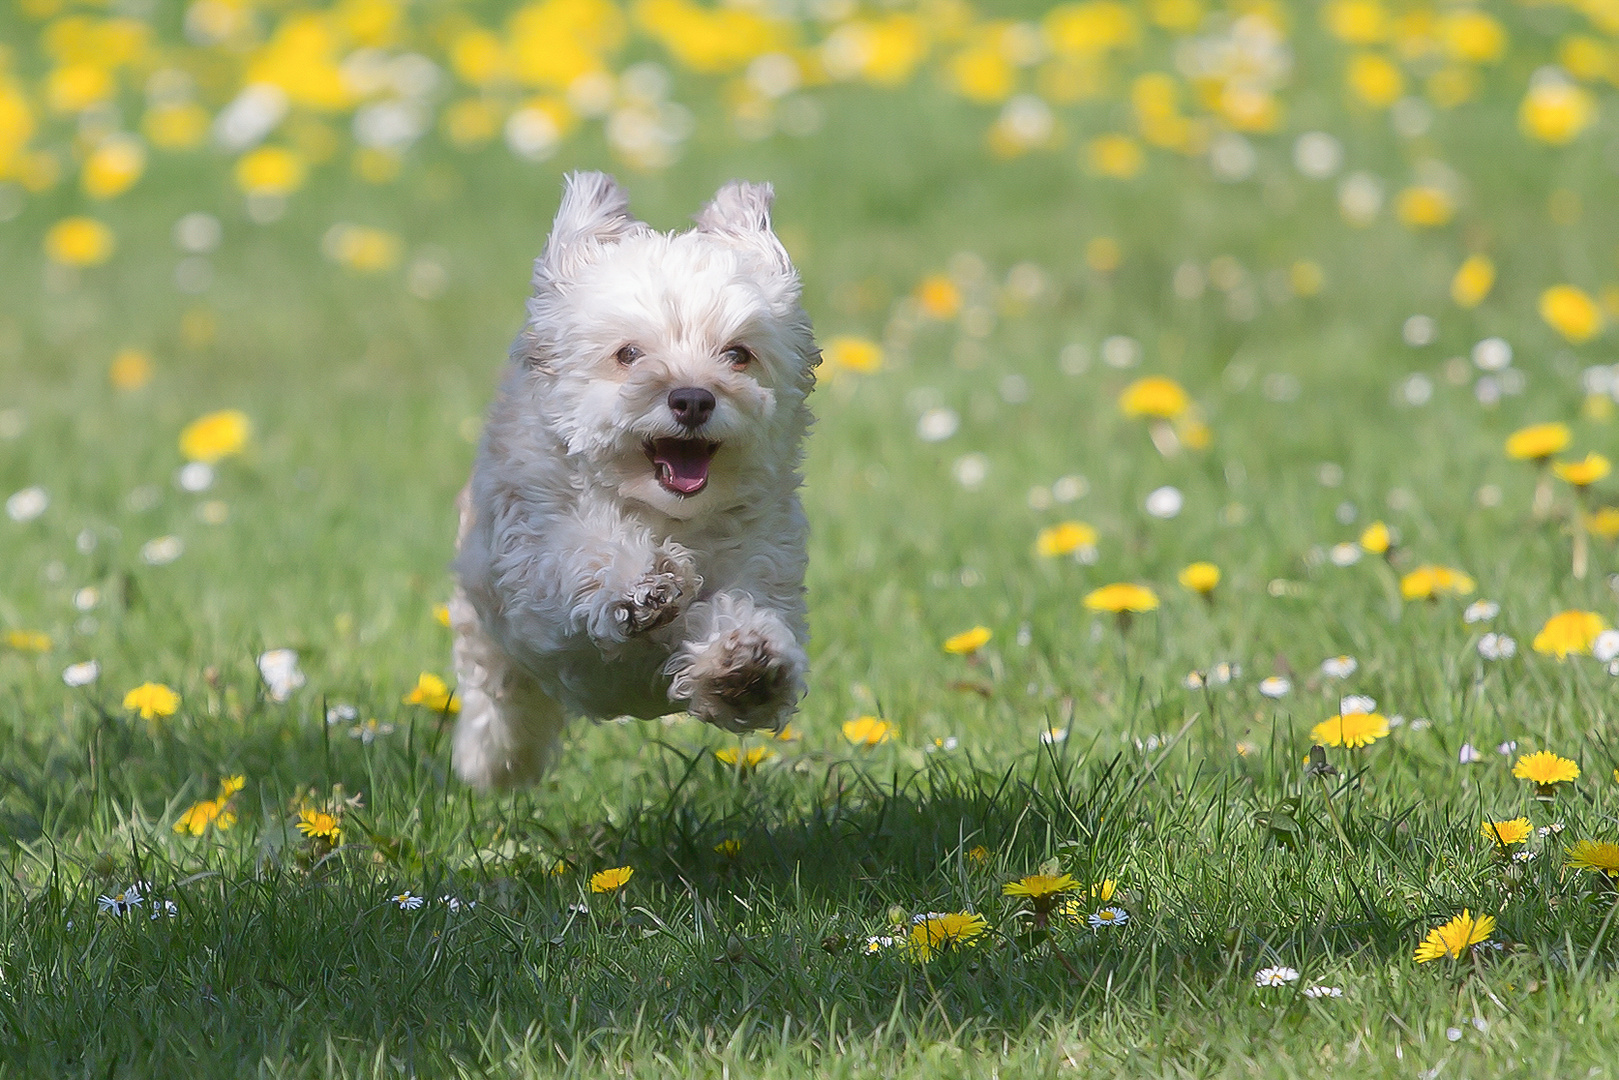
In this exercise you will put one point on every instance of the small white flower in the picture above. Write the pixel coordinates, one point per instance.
(281, 675)
(27, 504)
(1547, 830)
(161, 908)
(1323, 991)
(1275, 976)
(970, 470)
(83, 673)
(1222, 673)
(87, 598)
(408, 901)
(1165, 502)
(1108, 916)
(367, 732)
(1524, 855)
(1356, 703)
(456, 904)
(1345, 554)
(878, 944)
(1454, 1034)
(1469, 754)
(1606, 646)
(1481, 611)
(937, 425)
(120, 903)
(1507, 748)
(195, 476)
(1194, 680)
(1339, 667)
(949, 742)
(1053, 735)
(341, 713)
(1275, 687)
(1493, 646)
(162, 551)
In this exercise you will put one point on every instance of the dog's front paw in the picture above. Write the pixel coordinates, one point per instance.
(654, 599)
(745, 679)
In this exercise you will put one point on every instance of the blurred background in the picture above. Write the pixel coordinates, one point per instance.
(262, 261)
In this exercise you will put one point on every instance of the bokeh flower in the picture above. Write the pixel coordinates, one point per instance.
(968, 641)
(1200, 577)
(1429, 582)
(433, 693)
(79, 241)
(1568, 633)
(1538, 442)
(1155, 397)
(152, 701)
(1352, 730)
(868, 731)
(1572, 313)
(1583, 473)
(1065, 538)
(1122, 598)
(216, 436)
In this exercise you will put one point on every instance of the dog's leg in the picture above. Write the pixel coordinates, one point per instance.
(509, 728)
(742, 668)
(635, 591)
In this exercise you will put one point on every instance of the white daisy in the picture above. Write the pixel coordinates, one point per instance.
(878, 944)
(1469, 754)
(408, 901)
(1606, 646)
(1481, 611)
(1494, 646)
(1323, 991)
(81, 674)
(1275, 687)
(1053, 735)
(1275, 976)
(279, 667)
(1108, 916)
(1339, 667)
(165, 907)
(1350, 704)
(1344, 554)
(120, 903)
(1508, 748)
(456, 904)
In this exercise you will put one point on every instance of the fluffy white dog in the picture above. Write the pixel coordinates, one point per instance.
(631, 540)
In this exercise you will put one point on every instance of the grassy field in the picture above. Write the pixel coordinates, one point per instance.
(1014, 291)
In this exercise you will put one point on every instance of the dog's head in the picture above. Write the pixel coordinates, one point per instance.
(672, 366)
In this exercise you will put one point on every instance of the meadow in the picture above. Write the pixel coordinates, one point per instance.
(1212, 577)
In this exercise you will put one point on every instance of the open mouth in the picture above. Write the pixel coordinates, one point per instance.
(681, 465)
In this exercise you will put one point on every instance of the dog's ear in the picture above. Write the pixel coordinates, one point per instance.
(740, 214)
(594, 211)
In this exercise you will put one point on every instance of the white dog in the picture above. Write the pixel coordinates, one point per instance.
(631, 540)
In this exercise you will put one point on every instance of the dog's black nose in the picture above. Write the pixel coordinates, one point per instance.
(692, 405)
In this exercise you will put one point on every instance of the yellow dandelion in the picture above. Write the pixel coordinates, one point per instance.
(1473, 281)
(152, 701)
(751, 759)
(33, 641)
(1555, 111)
(197, 819)
(1455, 937)
(1570, 311)
(1122, 598)
(1569, 632)
(79, 241)
(607, 881)
(432, 692)
(1506, 833)
(216, 436)
(968, 641)
(1538, 442)
(1598, 855)
(936, 933)
(1376, 538)
(938, 297)
(1430, 582)
(1156, 397)
(319, 825)
(729, 848)
(1064, 538)
(1545, 769)
(1583, 473)
(1040, 886)
(273, 171)
(131, 369)
(855, 354)
(1353, 730)
(1200, 577)
(868, 731)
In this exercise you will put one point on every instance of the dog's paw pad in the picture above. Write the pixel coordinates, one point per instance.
(652, 602)
(751, 678)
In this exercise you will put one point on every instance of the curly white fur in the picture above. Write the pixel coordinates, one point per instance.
(588, 585)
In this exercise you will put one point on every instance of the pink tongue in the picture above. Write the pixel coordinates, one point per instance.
(684, 464)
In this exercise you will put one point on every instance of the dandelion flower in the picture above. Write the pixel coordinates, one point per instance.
(1583, 473)
(853, 354)
(730, 848)
(868, 731)
(1506, 833)
(432, 692)
(79, 241)
(319, 825)
(198, 818)
(1042, 889)
(152, 701)
(746, 761)
(1108, 916)
(1598, 855)
(1545, 770)
(1353, 730)
(1154, 397)
(216, 436)
(968, 641)
(1276, 976)
(1430, 582)
(1538, 442)
(937, 932)
(1455, 937)
(28, 641)
(608, 881)
(1122, 598)
(1569, 632)
(1200, 577)
(1572, 313)
(1065, 538)
(1376, 538)
(1474, 279)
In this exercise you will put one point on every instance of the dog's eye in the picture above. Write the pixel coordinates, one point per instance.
(738, 356)
(628, 355)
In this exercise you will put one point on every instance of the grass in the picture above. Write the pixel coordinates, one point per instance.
(284, 960)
